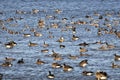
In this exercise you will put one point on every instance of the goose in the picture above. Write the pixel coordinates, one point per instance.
(100, 75)
(61, 39)
(87, 73)
(50, 75)
(56, 65)
(32, 44)
(40, 62)
(83, 49)
(6, 64)
(83, 63)
(116, 57)
(45, 45)
(8, 59)
(67, 67)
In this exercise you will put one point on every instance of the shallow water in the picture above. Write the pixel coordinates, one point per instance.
(98, 59)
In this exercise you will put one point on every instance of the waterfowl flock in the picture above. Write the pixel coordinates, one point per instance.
(59, 44)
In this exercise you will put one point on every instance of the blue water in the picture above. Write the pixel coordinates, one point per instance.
(99, 60)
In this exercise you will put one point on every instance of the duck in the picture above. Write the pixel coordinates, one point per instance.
(40, 62)
(50, 75)
(67, 67)
(32, 44)
(116, 57)
(87, 73)
(61, 39)
(6, 64)
(83, 49)
(75, 37)
(83, 63)
(100, 75)
(21, 61)
(56, 65)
